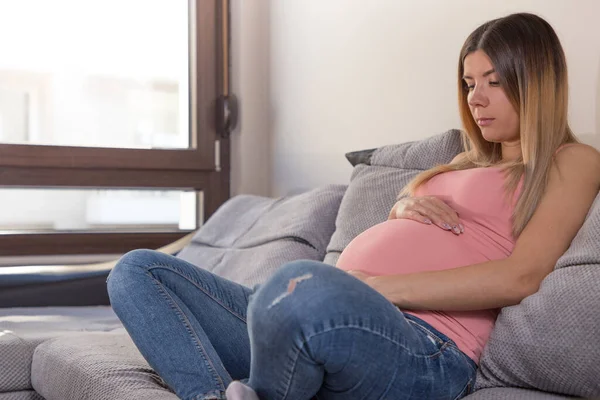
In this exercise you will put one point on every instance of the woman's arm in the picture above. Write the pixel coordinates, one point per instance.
(573, 184)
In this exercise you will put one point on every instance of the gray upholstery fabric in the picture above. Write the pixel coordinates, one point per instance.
(15, 361)
(249, 237)
(513, 394)
(251, 266)
(550, 341)
(24, 328)
(373, 188)
(95, 366)
(21, 395)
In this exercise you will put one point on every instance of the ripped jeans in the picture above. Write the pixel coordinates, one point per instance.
(312, 330)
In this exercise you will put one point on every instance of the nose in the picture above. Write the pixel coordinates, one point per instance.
(478, 97)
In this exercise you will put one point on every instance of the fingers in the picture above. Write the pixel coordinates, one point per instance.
(428, 210)
(450, 218)
(416, 216)
(404, 209)
(439, 217)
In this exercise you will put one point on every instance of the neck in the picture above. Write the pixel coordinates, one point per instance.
(511, 150)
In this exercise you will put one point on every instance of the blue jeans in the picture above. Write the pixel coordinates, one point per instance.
(312, 330)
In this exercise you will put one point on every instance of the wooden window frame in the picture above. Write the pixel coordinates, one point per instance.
(198, 168)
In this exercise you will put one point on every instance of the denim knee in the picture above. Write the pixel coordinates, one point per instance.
(299, 292)
(124, 273)
(299, 268)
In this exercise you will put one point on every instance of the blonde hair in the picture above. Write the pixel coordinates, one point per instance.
(530, 63)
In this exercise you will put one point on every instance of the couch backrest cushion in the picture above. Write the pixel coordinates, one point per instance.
(549, 342)
(249, 237)
(378, 177)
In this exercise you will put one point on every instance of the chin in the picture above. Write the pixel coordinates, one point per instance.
(490, 136)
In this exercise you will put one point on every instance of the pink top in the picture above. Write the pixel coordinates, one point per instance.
(402, 246)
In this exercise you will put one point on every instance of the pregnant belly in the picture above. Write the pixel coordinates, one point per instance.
(402, 246)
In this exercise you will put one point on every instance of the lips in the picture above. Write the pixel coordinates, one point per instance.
(484, 121)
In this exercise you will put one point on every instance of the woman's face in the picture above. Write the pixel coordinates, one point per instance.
(490, 107)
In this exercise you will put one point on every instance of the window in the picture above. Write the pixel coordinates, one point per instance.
(103, 79)
(111, 137)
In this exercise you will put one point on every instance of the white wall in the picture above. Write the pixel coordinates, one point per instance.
(320, 78)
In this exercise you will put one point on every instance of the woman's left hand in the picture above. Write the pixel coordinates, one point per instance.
(363, 276)
(369, 280)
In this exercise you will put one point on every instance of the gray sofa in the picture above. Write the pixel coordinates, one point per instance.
(544, 348)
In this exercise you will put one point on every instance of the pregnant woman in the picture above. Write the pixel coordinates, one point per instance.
(409, 307)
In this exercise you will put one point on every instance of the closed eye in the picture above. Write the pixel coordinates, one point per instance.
(471, 87)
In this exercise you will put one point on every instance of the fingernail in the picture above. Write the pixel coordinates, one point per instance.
(462, 228)
(428, 222)
(456, 230)
(446, 227)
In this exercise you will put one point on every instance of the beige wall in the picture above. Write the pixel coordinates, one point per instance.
(319, 78)
(251, 159)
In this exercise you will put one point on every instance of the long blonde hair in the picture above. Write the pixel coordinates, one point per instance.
(530, 63)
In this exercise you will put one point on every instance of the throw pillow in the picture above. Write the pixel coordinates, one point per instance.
(549, 341)
(378, 177)
(249, 237)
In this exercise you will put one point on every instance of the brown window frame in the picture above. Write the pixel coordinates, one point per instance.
(40, 166)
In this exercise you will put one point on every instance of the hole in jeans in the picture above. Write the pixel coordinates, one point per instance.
(290, 289)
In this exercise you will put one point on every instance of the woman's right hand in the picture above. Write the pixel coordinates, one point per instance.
(427, 210)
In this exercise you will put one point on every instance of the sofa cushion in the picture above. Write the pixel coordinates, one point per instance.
(513, 394)
(95, 365)
(251, 266)
(249, 237)
(23, 329)
(15, 360)
(549, 342)
(377, 179)
(21, 395)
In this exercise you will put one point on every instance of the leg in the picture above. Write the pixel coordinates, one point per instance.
(189, 324)
(316, 330)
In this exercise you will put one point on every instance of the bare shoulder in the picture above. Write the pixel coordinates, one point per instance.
(576, 150)
(579, 160)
